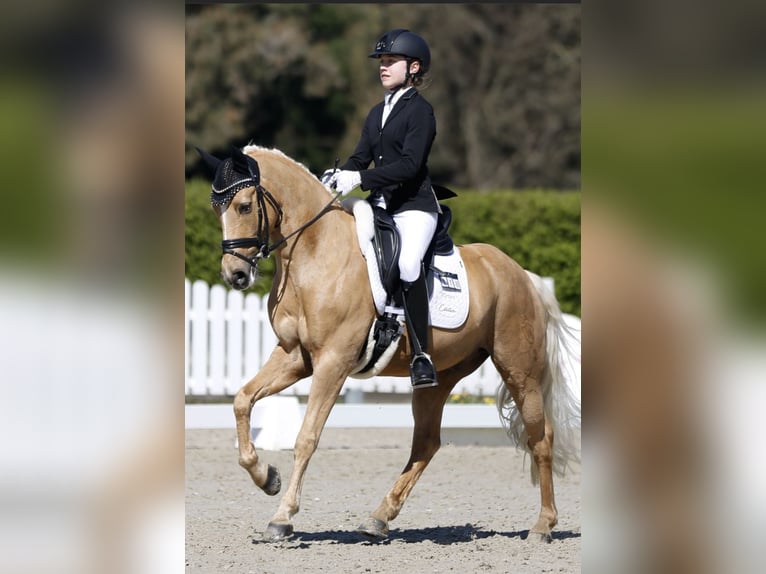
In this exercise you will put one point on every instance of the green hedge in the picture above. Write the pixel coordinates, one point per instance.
(539, 229)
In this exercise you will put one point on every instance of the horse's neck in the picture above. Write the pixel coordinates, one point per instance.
(323, 253)
(322, 242)
(315, 248)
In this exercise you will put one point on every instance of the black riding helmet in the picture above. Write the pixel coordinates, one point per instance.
(404, 43)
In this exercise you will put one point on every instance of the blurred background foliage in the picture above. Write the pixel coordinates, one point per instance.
(504, 83)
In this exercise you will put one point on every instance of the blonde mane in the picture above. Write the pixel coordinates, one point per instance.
(280, 154)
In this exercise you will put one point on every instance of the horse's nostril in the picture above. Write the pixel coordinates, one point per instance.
(239, 279)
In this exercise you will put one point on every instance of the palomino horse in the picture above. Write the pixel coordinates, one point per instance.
(322, 312)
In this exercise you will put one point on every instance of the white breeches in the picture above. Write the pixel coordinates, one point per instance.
(416, 228)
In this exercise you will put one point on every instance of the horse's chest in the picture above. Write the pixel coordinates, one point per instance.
(291, 325)
(286, 327)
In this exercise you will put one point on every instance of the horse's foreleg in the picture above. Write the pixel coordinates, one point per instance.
(325, 387)
(280, 371)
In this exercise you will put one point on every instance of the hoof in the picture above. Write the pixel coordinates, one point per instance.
(374, 528)
(536, 537)
(276, 532)
(273, 481)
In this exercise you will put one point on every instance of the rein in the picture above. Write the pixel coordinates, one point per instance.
(261, 239)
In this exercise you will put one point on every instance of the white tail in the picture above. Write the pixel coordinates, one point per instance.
(562, 408)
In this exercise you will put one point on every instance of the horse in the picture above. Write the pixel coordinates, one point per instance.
(321, 312)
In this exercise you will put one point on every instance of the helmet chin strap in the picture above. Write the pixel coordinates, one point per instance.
(407, 77)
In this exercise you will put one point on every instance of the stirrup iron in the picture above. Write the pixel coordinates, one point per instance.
(423, 376)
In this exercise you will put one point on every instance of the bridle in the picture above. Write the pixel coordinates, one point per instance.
(241, 172)
(261, 240)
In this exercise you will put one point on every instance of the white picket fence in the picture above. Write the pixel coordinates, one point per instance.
(228, 338)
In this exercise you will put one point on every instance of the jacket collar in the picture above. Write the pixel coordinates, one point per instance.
(400, 103)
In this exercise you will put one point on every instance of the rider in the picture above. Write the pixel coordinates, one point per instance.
(397, 138)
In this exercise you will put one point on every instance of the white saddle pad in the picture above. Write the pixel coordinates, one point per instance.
(448, 289)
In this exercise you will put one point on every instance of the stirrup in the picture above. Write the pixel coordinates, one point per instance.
(424, 375)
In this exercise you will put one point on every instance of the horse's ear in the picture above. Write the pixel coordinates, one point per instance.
(245, 164)
(209, 159)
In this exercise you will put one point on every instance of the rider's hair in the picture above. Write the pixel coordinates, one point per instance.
(418, 79)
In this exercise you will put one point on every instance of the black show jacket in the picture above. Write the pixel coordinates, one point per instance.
(400, 153)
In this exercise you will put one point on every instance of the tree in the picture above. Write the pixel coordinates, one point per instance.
(267, 74)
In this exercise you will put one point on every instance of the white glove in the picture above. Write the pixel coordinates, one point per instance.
(327, 176)
(345, 181)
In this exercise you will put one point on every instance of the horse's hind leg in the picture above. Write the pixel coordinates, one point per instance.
(541, 444)
(427, 409)
(280, 371)
(528, 397)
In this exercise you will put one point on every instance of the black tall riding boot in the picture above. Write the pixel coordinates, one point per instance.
(415, 303)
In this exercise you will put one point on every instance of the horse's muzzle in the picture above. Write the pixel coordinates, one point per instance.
(239, 280)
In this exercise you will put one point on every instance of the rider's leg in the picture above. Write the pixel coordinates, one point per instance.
(416, 229)
(422, 372)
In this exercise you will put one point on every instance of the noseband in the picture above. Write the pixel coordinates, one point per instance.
(261, 239)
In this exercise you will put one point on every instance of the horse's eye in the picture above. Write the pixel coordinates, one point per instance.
(245, 208)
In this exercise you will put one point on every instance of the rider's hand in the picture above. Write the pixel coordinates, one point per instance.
(344, 181)
(327, 176)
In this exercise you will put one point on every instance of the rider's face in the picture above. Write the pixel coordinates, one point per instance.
(393, 70)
